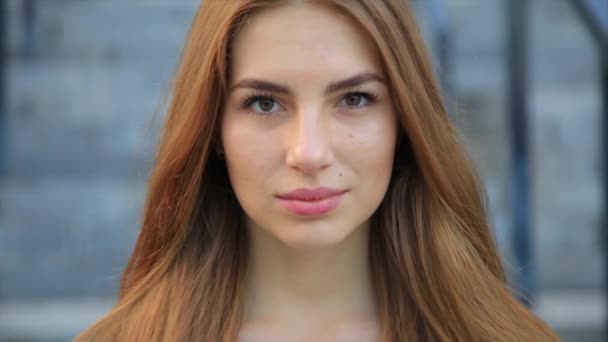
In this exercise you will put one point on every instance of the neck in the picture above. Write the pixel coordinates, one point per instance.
(309, 287)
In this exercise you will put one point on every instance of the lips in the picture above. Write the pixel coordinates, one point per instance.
(311, 194)
(312, 202)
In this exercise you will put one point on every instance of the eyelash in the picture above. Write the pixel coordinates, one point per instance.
(250, 100)
(247, 102)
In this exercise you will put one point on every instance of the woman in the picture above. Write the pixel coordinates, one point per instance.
(310, 187)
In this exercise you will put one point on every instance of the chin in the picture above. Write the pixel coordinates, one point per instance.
(312, 235)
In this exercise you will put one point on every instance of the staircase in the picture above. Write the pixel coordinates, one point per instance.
(83, 117)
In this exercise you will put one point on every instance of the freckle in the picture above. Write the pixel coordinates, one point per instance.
(340, 174)
(350, 135)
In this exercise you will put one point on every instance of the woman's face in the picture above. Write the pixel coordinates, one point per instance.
(309, 128)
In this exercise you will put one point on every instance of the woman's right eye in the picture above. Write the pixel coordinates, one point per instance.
(262, 105)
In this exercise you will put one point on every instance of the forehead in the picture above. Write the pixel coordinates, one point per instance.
(309, 40)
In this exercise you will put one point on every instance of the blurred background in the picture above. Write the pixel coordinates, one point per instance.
(81, 103)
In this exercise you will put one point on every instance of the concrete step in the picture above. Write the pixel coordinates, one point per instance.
(63, 112)
(69, 236)
(109, 29)
(48, 91)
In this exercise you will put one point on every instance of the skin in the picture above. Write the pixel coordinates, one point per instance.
(308, 277)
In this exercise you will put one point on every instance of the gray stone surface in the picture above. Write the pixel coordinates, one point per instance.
(82, 123)
(94, 30)
(66, 237)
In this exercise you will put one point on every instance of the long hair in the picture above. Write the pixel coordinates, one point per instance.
(436, 271)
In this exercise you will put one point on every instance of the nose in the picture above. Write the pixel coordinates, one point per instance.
(309, 149)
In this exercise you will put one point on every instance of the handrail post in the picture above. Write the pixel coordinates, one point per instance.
(29, 34)
(3, 67)
(441, 40)
(520, 172)
(604, 71)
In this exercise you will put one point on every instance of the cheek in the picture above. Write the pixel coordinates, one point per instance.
(371, 146)
(374, 163)
(249, 154)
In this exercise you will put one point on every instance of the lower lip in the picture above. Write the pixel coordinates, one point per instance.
(312, 208)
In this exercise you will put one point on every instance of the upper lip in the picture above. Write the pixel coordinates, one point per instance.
(316, 194)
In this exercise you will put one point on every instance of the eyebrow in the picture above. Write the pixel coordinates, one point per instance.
(350, 82)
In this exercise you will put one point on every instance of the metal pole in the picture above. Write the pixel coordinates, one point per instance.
(604, 85)
(441, 27)
(444, 57)
(520, 173)
(3, 66)
(29, 20)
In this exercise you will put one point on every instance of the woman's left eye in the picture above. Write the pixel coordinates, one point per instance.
(357, 100)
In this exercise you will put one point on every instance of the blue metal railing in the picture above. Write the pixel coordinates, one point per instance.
(525, 279)
(440, 25)
(29, 29)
